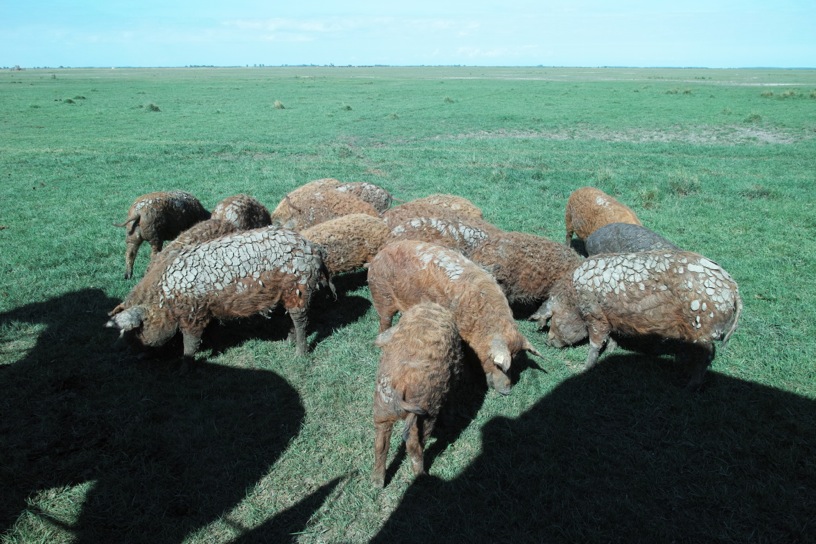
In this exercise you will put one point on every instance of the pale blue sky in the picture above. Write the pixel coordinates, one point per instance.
(713, 33)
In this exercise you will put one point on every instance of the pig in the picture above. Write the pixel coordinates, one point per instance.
(588, 209)
(675, 296)
(421, 357)
(237, 275)
(156, 218)
(625, 238)
(408, 272)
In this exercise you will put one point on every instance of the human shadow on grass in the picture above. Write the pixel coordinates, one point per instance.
(624, 453)
(161, 453)
(289, 524)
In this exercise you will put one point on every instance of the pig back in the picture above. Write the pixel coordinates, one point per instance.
(674, 294)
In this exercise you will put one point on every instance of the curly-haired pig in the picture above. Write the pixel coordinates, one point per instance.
(408, 272)
(678, 297)
(237, 275)
(625, 238)
(525, 265)
(350, 241)
(375, 195)
(304, 208)
(203, 231)
(442, 206)
(463, 235)
(156, 217)
(588, 209)
(421, 356)
(244, 211)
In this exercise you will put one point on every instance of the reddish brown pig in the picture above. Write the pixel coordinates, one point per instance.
(373, 194)
(237, 275)
(203, 231)
(525, 266)
(589, 208)
(437, 205)
(304, 208)
(421, 355)
(408, 272)
(243, 211)
(350, 241)
(463, 235)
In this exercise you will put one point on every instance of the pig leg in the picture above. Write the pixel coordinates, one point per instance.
(599, 330)
(610, 344)
(382, 440)
(414, 445)
(300, 319)
(386, 313)
(130, 256)
(155, 247)
(384, 304)
(191, 332)
(702, 356)
(192, 341)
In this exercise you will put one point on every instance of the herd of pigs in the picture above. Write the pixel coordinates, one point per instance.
(451, 275)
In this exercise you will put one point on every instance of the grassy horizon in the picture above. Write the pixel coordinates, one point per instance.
(255, 444)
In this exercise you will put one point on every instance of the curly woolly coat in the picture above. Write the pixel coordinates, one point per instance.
(237, 275)
(408, 272)
(421, 356)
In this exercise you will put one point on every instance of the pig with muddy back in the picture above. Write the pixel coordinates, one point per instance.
(674, 296)
(157, 217)
(236, 275)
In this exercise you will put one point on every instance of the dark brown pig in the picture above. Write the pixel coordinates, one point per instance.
(625, 238)
(157, 217)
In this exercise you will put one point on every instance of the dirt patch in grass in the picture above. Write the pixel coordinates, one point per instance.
(727, 135)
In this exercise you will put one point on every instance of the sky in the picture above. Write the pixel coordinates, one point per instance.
(590, 33)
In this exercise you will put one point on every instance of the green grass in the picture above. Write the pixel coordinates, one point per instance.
(255, 444)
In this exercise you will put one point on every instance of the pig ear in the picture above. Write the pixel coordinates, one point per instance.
(384, 337)
(500, 354)
(127, 320)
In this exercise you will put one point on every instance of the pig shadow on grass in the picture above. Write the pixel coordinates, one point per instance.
(160, 453)
(325, 316)
(621, 453)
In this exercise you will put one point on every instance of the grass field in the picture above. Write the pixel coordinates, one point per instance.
(256, 445)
